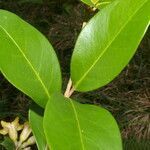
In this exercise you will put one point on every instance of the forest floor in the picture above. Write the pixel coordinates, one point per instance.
(127, 97)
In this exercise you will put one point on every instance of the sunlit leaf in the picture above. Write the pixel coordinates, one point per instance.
(108, 42)
(70, 125)
(27, 59)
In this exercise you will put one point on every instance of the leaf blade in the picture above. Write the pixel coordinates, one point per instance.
(30, 54)
(97, 3)
(29, 63)
(36, 122)
(99, 52)
(78, 126)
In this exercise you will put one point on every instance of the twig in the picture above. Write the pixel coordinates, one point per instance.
(69, 90)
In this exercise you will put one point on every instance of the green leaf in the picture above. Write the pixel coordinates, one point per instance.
(97, 3)
(36, 122)
(74, 126)
(108, 42)
(8, 144)
(27, 59)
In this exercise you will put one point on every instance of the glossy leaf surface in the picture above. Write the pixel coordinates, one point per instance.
(27, 59)
(36, 122)
(74, 126)
(97, 3)
(108, 42)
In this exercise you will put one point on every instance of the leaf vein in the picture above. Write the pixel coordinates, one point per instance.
(109, 44)
(27, 60)
(78, 124)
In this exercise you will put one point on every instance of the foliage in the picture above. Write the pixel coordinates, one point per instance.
(103, 62)
(36, 60)
(81, 125)
(8, 144)
(97, 3)
(36, 121)
(102, 50)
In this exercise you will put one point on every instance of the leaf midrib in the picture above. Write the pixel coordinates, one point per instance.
(78, 123)
(103, 52)
(27, 60)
